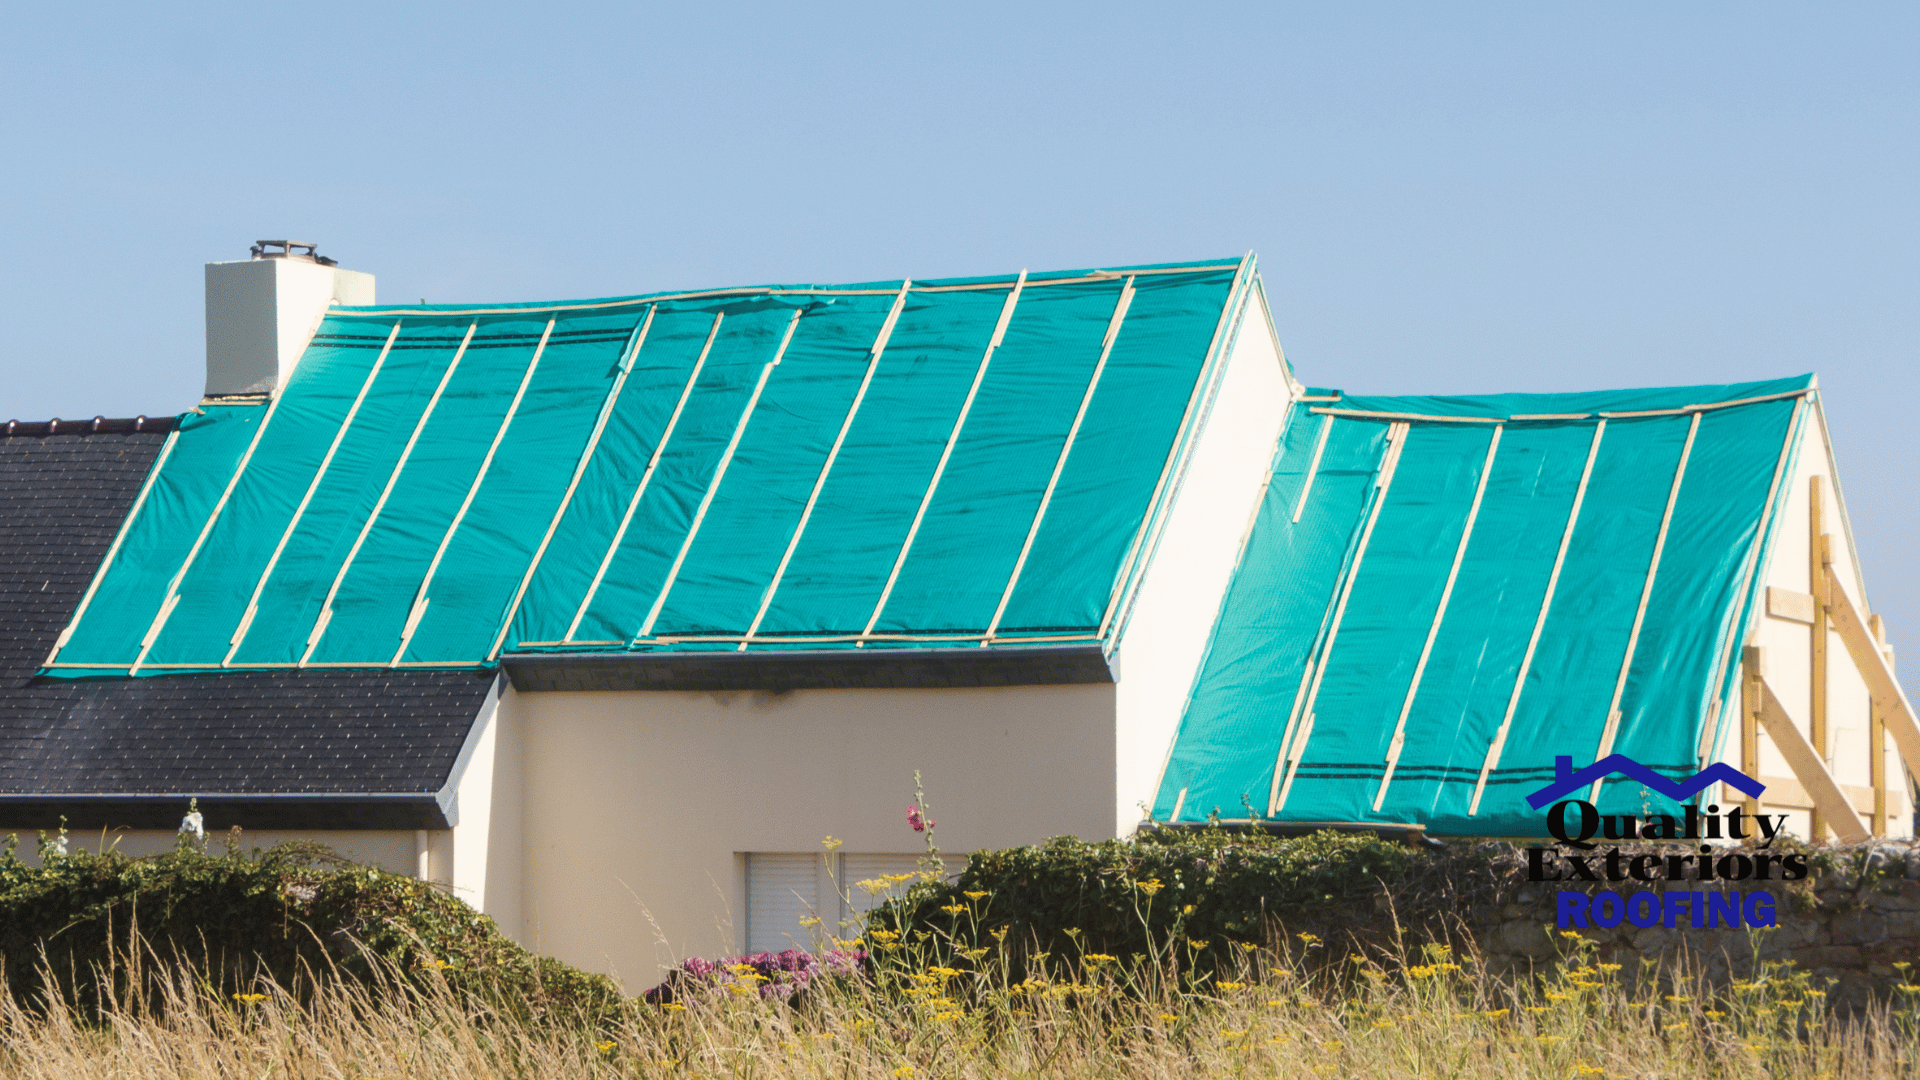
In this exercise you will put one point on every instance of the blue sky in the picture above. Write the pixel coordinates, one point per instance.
(1445, 198)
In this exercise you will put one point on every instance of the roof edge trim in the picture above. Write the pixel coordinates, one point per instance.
(814, 669)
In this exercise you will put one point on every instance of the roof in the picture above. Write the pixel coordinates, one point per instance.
(338, 748)
(905, 464)
(1439, 595)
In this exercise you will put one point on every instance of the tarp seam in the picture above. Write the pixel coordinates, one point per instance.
(833, 454)
(946, 454)
(325, 617)
(1439, 615)
(646, 478)
(1066, 449)
(113, 550)
(624, 368)
(1396, 444)
(719, 477)
(300, 511)
(1193, 422)
(1612, 727)
(172, 596)
(421, 597)
(1539, 622)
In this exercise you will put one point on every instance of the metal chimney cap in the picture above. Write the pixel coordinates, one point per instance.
(290, 249)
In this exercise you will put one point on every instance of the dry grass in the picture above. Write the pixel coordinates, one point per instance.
(1277, 1016)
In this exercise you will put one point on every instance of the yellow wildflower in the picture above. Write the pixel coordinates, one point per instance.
(1168, 1016)
(831, 844)
(1493, 1014)
(1149, 886)
(1201, 944)
(1099, 958)
(1230, 987)
(1587, 1070)
(1383, 1024)
(1678, 999)
(1232, 1034)
(810, 921)
(1549, 1039)
(604, 1047)
(249, 998)
(673, 1006)
(977, 894)
(953, 909)
(1248, 946)
(1714, 1014)
(1308, 939)
(904, 1070)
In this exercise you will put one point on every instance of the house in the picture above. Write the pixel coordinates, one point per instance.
(606, 613)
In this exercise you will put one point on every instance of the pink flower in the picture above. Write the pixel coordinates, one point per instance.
(916, 822)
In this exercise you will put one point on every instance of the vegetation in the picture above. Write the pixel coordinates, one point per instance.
(1271, 1012)
(1179, 955)
(295, 915)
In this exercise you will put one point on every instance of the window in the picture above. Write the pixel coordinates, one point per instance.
(785, 888)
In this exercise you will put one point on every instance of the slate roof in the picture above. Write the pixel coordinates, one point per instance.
(306, 749)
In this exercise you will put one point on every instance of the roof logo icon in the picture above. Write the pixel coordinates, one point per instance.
(1566, 781)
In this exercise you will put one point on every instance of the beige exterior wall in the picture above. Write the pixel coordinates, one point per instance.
(395, 851)
(639, 807)
(1788, 645)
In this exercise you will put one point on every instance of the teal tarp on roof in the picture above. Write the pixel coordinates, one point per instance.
(887, 464)
(1440, 595)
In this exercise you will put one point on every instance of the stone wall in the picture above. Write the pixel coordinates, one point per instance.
(1854, 918)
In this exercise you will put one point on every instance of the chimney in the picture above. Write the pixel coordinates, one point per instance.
(262, 310)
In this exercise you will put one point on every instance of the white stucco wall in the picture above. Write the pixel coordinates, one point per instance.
(639, 807)
(261, 314)
(1788, 646)
(1164, 640)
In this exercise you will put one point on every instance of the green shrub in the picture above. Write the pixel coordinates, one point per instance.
(295, 913)
(1198, 892)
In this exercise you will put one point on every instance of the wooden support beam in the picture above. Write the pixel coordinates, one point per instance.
(1817, 578)
(1877, 763)
(1829, 802)
(1752, 667)
(1896, 713)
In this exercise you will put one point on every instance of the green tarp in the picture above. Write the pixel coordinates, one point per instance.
(435, 485)
(1336, 604)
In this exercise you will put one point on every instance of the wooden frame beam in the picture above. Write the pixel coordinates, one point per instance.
(1829, 802)
(1895, 711)
(1819, 575)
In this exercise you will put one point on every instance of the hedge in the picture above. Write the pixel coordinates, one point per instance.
(293, 913)
(1201, 891)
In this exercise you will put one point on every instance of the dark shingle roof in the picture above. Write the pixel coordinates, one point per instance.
(90, 747)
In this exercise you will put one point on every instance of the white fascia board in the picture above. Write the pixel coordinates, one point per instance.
(449, 794)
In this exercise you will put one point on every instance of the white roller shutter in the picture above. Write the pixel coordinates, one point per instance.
(781, 890)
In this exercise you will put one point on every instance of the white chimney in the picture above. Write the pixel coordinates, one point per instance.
(261, 311)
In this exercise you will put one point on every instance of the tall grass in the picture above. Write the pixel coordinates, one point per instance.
(1279, 1011)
